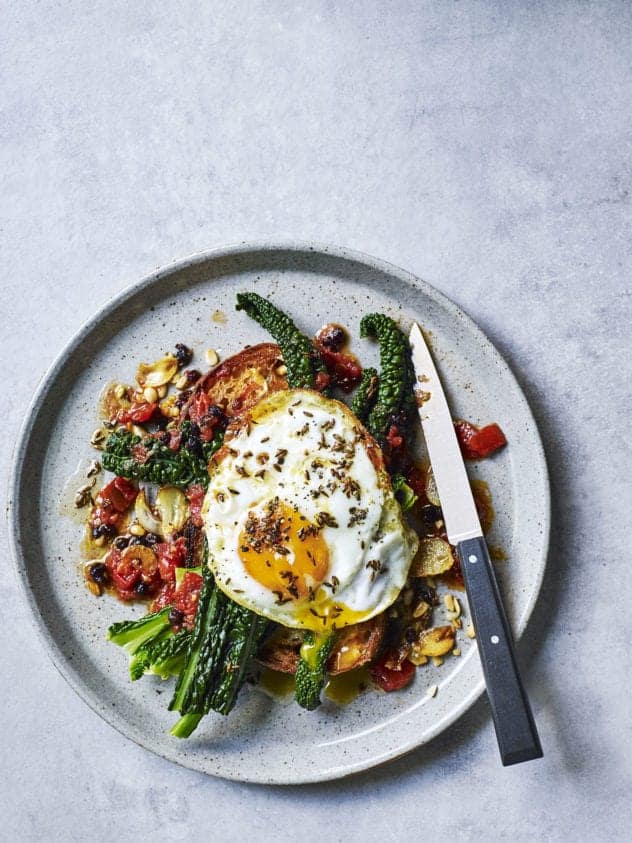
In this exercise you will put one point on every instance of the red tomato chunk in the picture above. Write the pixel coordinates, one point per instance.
(477, 443)
(392, 680)
(137, 413)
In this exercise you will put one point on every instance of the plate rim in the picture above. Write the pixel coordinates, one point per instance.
(247, 247)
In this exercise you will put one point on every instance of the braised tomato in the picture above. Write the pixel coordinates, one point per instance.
(134, 572)
(392, 680)
(171, 555)
(112, 501)
(195, 495)
(477, 443)
(187, 595)
(137, 413)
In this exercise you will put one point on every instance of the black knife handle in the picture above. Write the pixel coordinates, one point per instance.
(513, 720)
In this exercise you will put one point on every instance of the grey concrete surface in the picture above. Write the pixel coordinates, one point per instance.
(486, 146)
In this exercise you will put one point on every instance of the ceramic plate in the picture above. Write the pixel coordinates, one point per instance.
(262, 740)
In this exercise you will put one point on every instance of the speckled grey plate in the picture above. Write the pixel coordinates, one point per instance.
(262, 740)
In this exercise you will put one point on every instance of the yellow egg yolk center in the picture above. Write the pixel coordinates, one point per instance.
(283, 551)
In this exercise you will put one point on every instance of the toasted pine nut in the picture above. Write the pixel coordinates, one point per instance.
(437, 661)
(119, 390)
(211, 356)
(281, 370)
(150, 394)
(432, 691)
(162, 390)
(456, 652)
(469, 631)
(137, 530)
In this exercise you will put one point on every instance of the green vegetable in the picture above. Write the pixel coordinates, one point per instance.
(224, 639)
(206, 645)
(312, 669)
(164, 656)
(163, 466)
(404, 494)
(365, 395)
(246, 633)
(395, 390)
(301, 358)
(151, 644)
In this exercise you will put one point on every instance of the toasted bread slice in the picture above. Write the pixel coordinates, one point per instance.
(241, 380)
(356, 645)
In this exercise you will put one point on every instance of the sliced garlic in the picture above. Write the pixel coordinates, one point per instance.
(173, 509)
(145, 516)
(158, 373)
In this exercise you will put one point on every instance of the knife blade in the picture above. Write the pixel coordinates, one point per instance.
(515, 727)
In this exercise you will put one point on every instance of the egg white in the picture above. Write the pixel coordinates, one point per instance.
(370, 549)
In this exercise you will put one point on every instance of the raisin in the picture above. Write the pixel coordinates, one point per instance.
(175, 616)
(183, 354)
(98, 573)
(103, 530)
(121, 542)
(431, 513)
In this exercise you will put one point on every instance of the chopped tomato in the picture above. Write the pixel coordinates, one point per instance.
(200, 406)
(322, 381)
(394, 438)
(137, 413)
(165, 596)
(477, 443)
(187, 596)
(392, 680)
(140, 454)
(125, 575)
(195, 495)
(344, 367)
(113, 500)
(120, 493)
(171, 555)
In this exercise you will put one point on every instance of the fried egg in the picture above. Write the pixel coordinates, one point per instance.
(302, 523)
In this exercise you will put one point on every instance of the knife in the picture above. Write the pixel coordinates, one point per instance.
(513, 720)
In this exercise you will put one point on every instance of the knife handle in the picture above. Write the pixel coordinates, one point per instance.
(513, 720)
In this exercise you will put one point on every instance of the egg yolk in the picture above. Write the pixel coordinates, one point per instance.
(283, 551)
